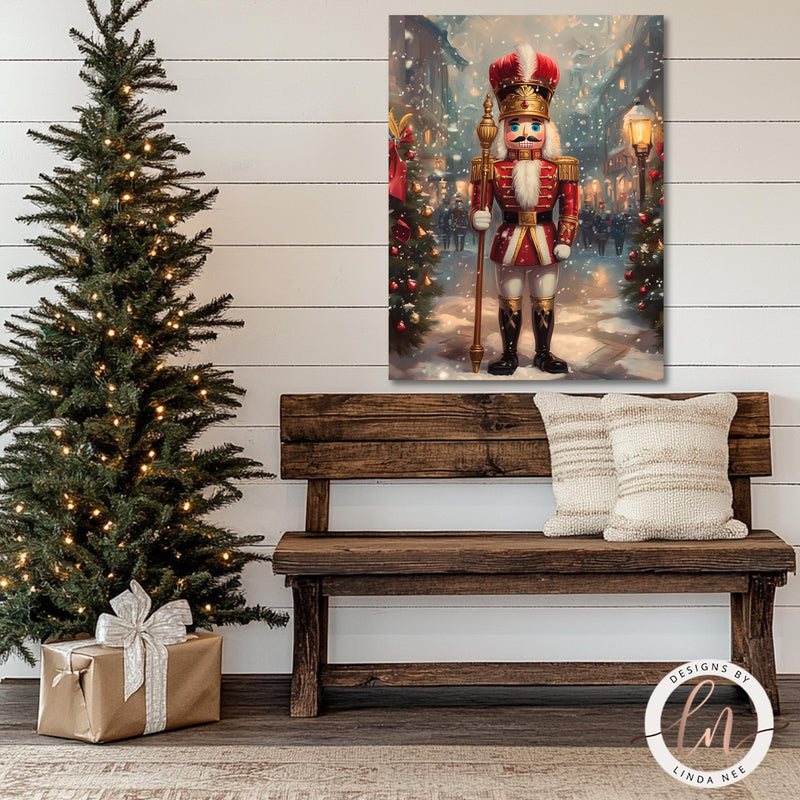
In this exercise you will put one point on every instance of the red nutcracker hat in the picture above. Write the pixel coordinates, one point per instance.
(524, 83)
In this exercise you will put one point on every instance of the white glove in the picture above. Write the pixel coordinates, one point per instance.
(481, 220)
(562, 251)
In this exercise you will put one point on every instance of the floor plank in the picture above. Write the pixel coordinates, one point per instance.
(255, 711)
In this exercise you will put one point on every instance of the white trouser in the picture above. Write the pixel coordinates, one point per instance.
(542, 281)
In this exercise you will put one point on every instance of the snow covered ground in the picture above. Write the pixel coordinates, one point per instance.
(597, 333)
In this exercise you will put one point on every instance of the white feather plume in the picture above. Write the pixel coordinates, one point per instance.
(527, 60)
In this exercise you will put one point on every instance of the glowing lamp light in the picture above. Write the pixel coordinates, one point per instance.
(111, 332)
(159, 409)
(108, 526)
(144, 467)
(95, 201)
(187, 505)
(147, 147)
(207, 606)
(126, 198)
(96, 512)
(19, 508)
(127, 156)
(66, 450)
(3, 583)
(68, 540)
(81, 609)
(226, 556)
(639, 124)
(126, 89)
(172, 219)
(108, 142)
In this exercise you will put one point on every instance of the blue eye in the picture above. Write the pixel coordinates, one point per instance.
(514, 127)
(536, 127)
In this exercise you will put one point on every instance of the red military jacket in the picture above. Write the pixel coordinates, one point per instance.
(527, 238)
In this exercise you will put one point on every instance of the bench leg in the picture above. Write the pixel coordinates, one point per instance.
(739, 629)
(759, 605)
(309, 645)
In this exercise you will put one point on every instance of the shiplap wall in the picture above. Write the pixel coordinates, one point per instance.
(284, 107)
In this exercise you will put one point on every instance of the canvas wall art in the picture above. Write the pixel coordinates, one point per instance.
(526, 205)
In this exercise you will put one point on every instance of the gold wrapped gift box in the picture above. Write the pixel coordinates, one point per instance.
(82, 694)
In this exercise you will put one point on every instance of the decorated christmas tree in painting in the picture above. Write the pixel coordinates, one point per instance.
(413, 254)
(644, 286)
(104, 480)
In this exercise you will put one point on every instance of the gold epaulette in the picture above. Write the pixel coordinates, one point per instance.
(475, 172)
(567, 168)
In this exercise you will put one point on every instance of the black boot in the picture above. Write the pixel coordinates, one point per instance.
(543, 324)
(510, 323)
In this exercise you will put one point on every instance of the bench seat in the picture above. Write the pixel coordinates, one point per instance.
(490, 552)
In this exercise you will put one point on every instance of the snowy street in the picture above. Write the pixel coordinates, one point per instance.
(597, 333)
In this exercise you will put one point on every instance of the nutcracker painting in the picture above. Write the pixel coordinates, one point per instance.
(551, 127)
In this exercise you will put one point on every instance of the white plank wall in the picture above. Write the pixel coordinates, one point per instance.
(284, 107)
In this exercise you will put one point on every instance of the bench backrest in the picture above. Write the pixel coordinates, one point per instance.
(346, 436)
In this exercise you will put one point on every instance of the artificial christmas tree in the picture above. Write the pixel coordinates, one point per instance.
(110, 484)
(413, 254)
(645, 278)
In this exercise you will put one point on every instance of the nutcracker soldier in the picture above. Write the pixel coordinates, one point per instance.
(528, 176)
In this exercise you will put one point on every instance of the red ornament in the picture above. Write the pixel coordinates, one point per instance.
(394, 250)
(401, 231)
(629, 276)
(661, 157)
(653, 175)
(643, 290)
(633, 256)
(401, 326)
(644, 219)
(412, 285)
(411, 155)
(661, 201)
(642, 306)
(393, 286)
(660, 148)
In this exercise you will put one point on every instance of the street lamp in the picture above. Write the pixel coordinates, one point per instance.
(639, 123)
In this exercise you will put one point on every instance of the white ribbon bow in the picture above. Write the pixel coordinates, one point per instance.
(144, 641)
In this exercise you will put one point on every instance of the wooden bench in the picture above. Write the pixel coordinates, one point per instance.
(430, 436)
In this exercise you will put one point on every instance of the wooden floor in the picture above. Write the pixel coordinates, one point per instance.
(255, 711)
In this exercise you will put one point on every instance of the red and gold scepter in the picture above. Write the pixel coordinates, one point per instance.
(487, 130)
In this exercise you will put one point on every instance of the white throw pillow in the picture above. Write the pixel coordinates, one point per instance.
(582, 463)
(671, 460)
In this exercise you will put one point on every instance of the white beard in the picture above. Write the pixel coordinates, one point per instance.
(525, 178)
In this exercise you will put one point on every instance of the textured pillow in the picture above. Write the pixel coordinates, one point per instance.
(671, 459)
(582, 463)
